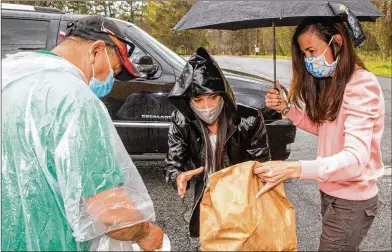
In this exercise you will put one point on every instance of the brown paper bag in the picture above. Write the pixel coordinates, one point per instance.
(232, 219)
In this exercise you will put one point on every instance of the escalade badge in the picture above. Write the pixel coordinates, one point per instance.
(156, 117)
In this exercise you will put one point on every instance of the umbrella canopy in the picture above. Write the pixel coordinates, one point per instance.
(236, 15)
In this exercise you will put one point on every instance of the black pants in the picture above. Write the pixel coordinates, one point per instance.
(345, 223)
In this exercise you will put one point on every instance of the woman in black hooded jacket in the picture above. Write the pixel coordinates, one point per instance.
(209, 131)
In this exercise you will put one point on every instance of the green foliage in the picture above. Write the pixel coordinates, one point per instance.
(379, 33)
(380, 68)
(159, 17)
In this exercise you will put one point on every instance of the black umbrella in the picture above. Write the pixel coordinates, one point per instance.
(236, 15)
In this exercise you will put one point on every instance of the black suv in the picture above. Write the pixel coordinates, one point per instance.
(139, 108)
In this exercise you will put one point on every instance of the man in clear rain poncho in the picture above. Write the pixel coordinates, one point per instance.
(67, 181)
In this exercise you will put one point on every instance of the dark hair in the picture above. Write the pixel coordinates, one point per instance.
(220, 143)
(322, 97)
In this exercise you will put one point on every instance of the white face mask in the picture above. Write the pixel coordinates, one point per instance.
(209, 115)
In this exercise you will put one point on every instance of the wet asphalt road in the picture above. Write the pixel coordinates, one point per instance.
(302, 194)
(171, 211)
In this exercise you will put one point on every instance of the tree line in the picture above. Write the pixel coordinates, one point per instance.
(159, 17)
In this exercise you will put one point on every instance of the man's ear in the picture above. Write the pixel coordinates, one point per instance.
(95, 48)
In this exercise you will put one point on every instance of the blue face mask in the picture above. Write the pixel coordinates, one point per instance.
(102, 88)
(318, 65)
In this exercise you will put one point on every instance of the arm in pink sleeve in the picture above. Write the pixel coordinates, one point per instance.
(301, 120)
(362, 106)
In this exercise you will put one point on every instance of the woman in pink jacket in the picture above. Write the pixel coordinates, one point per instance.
(335, 97)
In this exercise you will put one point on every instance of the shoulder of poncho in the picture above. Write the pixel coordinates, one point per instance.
(19, 66)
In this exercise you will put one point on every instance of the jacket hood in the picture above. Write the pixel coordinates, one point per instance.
(201, 75)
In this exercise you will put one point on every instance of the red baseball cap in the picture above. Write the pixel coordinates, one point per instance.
(101, 28)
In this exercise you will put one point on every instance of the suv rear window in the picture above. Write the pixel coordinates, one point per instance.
(23, 35)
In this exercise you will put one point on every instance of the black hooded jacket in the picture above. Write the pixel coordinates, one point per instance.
(246, 133)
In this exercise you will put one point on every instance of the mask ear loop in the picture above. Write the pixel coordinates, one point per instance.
(107, 57)
(323, 54)
(335, 54)
(92, 65)
(328, 45)
(333, 51)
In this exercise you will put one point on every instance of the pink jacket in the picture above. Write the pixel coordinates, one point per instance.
(349, 159)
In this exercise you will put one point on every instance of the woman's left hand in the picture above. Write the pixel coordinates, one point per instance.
(275, 172)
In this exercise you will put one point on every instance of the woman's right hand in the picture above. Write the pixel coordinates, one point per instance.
(275, 99)
(183, 179)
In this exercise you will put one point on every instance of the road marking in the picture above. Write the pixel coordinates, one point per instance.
(388, 170)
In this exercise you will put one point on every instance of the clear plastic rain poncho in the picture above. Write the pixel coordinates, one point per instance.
(66, 176)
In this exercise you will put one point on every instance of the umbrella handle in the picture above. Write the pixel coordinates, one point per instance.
(274, 45)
